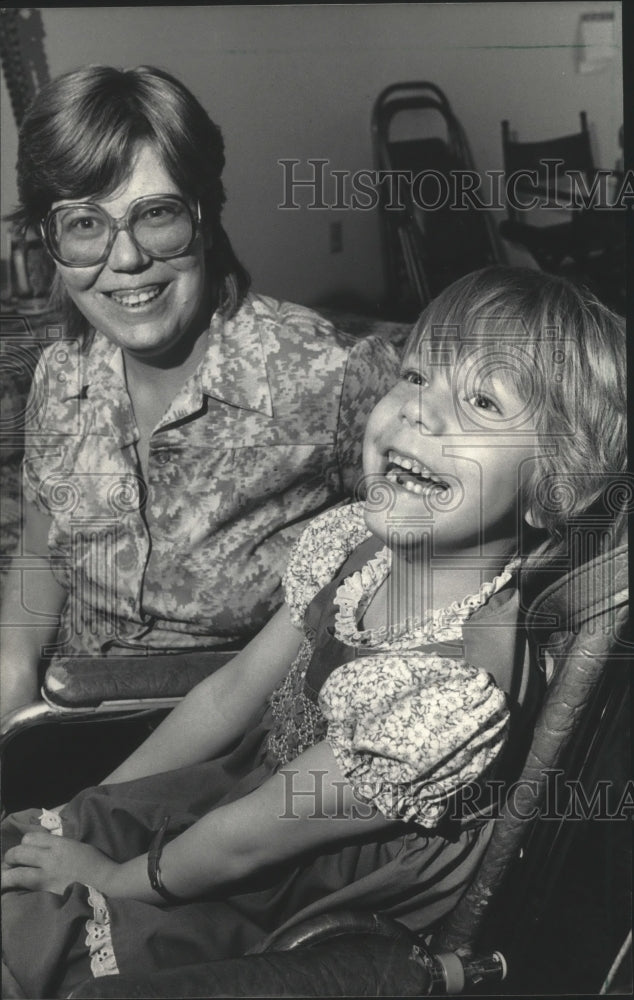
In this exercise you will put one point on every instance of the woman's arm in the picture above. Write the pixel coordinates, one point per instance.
(30, 613)
(218, 709)
(305, 807)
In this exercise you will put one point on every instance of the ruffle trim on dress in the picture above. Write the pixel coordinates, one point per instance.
(397, 800)
(322, 548)
(99, 937)
(444, 624)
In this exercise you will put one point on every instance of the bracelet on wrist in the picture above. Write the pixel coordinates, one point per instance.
(153, 867)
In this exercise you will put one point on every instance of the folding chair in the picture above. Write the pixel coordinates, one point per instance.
(428, 241)
(558, 228)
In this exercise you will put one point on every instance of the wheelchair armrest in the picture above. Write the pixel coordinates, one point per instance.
(79, 682)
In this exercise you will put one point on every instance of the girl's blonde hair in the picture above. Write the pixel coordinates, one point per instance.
(564, 354)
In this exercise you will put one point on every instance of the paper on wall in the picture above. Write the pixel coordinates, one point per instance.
(596, 46)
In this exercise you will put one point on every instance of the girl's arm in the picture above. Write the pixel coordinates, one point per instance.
(304, 808)
(30, 613)
(217, 710)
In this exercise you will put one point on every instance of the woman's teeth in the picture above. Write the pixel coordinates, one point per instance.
(412, 475)
(139, 297)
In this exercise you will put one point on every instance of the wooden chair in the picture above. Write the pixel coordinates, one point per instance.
(557, 228)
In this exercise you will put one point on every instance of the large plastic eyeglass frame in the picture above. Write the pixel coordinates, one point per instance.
(117, 226)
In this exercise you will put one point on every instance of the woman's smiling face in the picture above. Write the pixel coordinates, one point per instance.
(142, 305)
(445, 452)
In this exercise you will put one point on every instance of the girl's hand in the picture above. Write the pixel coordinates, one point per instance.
(44, 861)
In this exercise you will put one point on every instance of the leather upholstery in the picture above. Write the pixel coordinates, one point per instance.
(348, 966)
(71, 683)
(590, 633)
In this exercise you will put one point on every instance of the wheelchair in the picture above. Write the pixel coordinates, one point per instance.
(578, 628)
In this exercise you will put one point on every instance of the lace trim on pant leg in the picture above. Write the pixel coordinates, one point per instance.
(99, 938)
(98, 934)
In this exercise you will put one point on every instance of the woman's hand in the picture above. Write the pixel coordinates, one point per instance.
(45, 861)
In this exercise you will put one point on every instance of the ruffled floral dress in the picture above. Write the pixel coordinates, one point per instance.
(415, 715)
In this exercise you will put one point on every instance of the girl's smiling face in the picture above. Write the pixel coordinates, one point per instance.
(146, 306)
(445, 451)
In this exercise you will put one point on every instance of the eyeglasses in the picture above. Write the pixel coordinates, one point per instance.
(82, 234)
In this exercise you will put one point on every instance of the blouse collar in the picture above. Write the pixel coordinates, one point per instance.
(442, 625)
(233, 369)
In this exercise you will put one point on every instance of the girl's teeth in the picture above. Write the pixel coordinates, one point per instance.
(393, 477)
(140, 298)
(406, 464)
(414, 487)
(409, 464)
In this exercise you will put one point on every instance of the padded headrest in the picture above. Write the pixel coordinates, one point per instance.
(588, 591)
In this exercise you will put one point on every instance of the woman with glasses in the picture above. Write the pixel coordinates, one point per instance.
(180, 434)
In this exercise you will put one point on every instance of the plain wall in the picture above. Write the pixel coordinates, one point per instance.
(300, 82)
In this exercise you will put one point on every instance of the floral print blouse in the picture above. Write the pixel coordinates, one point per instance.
(266, 433)
(408, 727)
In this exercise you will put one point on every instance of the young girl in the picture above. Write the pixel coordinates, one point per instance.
(341, 759)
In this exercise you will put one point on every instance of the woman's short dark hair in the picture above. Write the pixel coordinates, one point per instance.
(78, 140)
